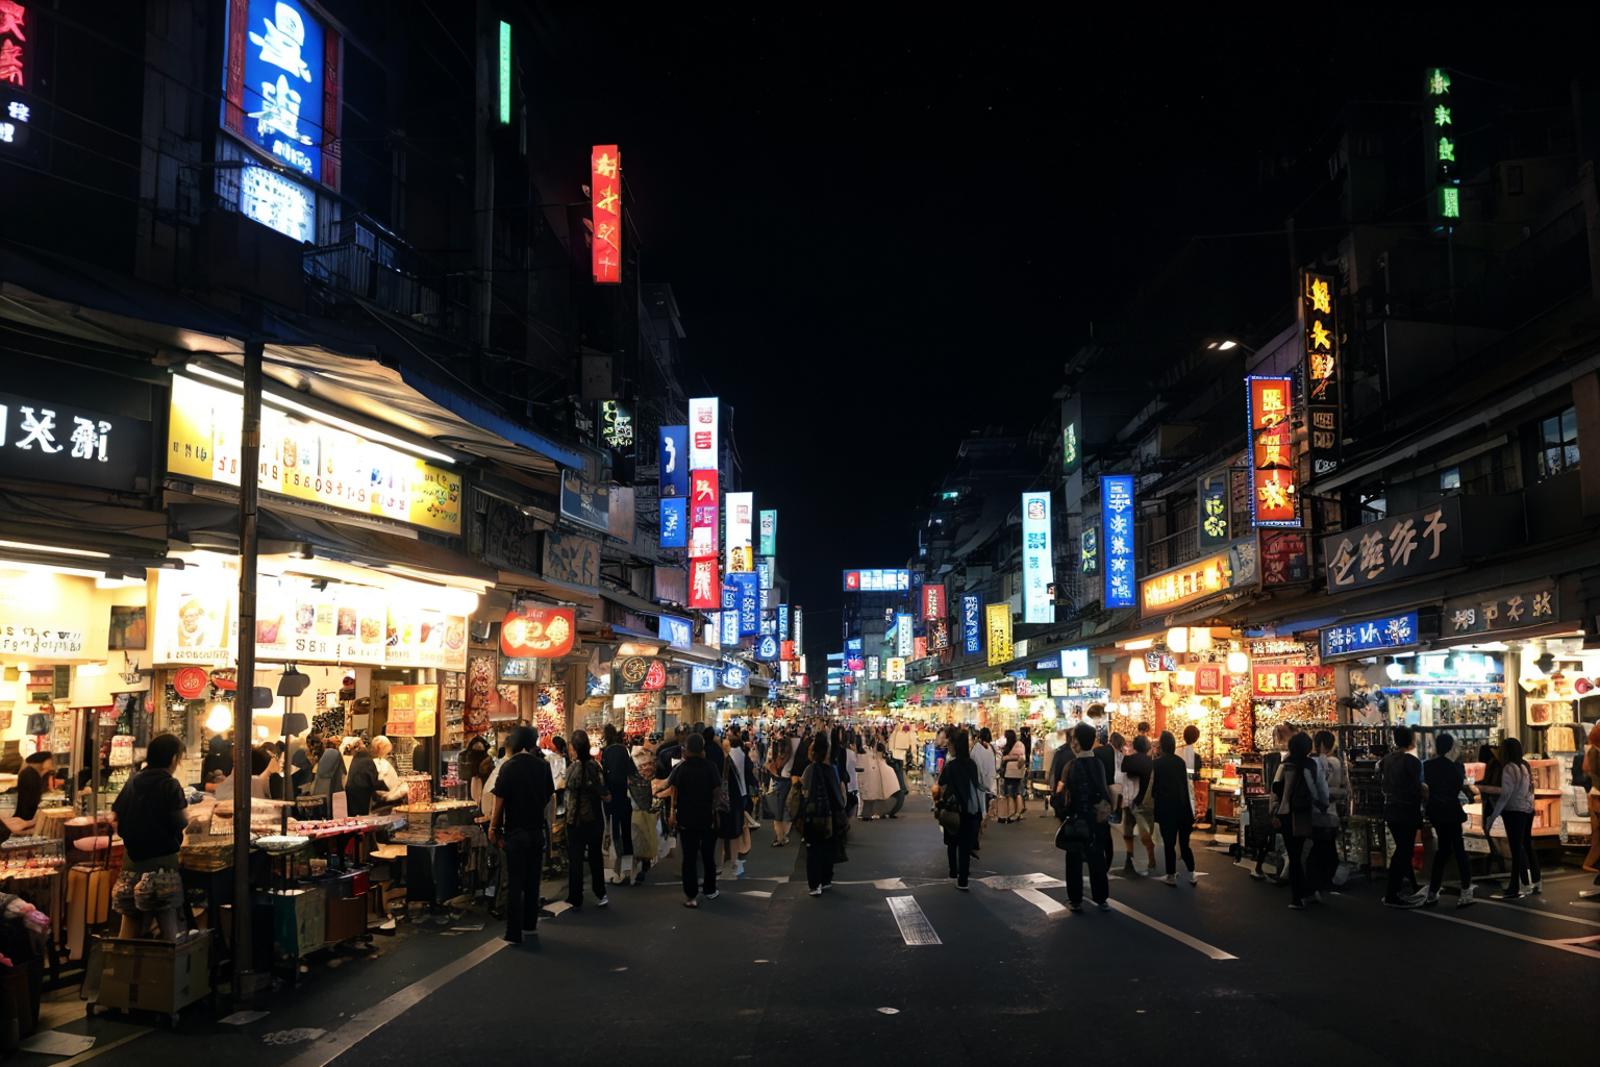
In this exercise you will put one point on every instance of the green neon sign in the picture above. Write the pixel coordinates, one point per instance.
(505, 73)
(1438, 82)
(1450, 202)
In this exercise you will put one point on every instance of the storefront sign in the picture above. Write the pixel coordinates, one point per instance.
(638, 674)
(1089, 552)
(1320, 333)
(585, 503)
(1401, 546)
(933, 602)
(675, 631)
(674, 460)
(419, 636)
(1534, 605)
(306, 460)
(39, 641)
(1116, 514)
(787, 652)
(938, 635)
(1199, 579)
(571, 559)
(1038, 565)
(1071, 452)
(1382, 634)
(1272, 500)
(799, 628)
(971, 625)
(194, 616)
(998, 624)
(703, 584)
(735, 677)
(1288, 680)
(702, 679)
(18, 47)
(739, 510)
(729, 615)
(1284, 557)
(413, 710)
(1208, 680)
(45, 440)
(616, 425)
(894, 669)
(1216, 528)
(605, 191)
(875, 580)
(278, 203)
(1443, 144)
(768, 533)
(538, 633)
(904, 634)
(703, 447)
(674, 522)
(748, 601)
(767, 649)
(783, 621)
(281, 85)
(704, 515)
(1075, 663)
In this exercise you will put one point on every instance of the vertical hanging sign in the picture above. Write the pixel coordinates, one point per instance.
(1215, 525)
(1319, 326)
(1116, 516)
(1272, 497)
(769, 533)
(1038, 568)
(505, 73)
(674, 447)
(703, 450)
(605, 191)
(998, 623)
(1442, 149)
(737, 513)
(703, 515)
(971, 625)
(933, 602)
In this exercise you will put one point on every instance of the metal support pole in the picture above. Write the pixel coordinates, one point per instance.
(249, 471)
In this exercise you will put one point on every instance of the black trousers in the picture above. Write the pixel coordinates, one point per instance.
(1299, 884)
(1324, 858)
(1099, 883)
(1102, 836)
(1403, 829)
(819, 863)
(1174, 840)
(585, 838)
(523, 854)
(620, 812)
(1519, 836)
(1448, 832)
(698, 847)
(958, 847)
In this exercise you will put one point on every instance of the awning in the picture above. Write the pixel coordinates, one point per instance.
(634, 602)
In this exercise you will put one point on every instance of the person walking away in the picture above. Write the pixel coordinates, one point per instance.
(1108, 766)
(522, 789)
(1446, 779)
(1325, 823)
(1489, 789)
(693, 784)
(821, 799)
(779, 756)
(988, 766)
(1299, 792)
(731, 829)
(1060, 761)
(1025, 735)
(1013, 764)
(1137, 769)
(641, 795)
(1403, 793)
(618, 767)
(1271, 766)
(586, 822)
(961, 785)
(1515, 809)
(1172, 807)
(1086, 790)
(150, 818)
(1189, 752)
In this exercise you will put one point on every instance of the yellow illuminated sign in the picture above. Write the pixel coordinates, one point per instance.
(998, 620)
(1192, 581)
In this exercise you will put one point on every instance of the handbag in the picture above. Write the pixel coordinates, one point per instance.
(1072, 836)
(949, 814)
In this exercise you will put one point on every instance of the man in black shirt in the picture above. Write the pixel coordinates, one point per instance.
(1138, 767)
(1108, 763)
(522, 790)
(1403, 794)
(694, 784)
(31, 783)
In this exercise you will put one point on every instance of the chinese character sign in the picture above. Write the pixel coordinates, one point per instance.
(1397, 547)
(768, 533)
(703, 586)
(274, 79)
(674, 522)
(904, 635)
(1531, 606)
(14, 29)
(674, 458)
(605, 191)
(703, 514)
(739, 513)
(1380, 634)
(933, 602)
(799, 627)
(730, 614)
(1272, 501)
(998, 624)
(1038, 568)
(702, 679)
(674, 631)
(1320, 333)
(749, 602)
(938, 635)
(1071, 453)
(1443, 145)
(42, 439)
(971, 625)
(703, 447)
(1215, 527)
(1116, 516)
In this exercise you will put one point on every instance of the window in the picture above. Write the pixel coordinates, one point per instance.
(1450, 480)
(1556, 444)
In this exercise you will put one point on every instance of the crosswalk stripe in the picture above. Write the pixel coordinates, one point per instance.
(1543, 913)
(1177, 935)
(1048, 905)
(1576, 950)
(915, 929)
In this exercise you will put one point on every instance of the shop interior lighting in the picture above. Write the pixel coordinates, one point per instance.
(1393, 669)
(286, 404)
(219, 720)
(1186, 677)
(1178, 639)
(55, 550)
(1238, 663)
(1137, 673)
(49, 568)
(1199, 640)
(1139, 645)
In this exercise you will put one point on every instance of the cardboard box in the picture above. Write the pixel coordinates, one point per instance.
(159, 976)
(299, 919)
(346, 918)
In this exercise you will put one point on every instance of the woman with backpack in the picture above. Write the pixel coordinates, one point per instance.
(821, 801)
(586, 822)
(1301, 792)
(959, 802)
(1087, 806)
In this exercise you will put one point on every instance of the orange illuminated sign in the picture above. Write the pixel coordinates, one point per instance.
(1272, 499)
(1190, 582)
(605, 190)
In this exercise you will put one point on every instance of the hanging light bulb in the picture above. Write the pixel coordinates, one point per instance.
(220, 718)
(1238, 663)
(1137, 673)
(1393, 669)
(1199, 640)
(1178, 639)
(1185, 677)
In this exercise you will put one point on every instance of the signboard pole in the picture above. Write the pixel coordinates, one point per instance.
(244, 982)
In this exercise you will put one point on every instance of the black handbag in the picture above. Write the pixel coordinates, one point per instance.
(1073, 836)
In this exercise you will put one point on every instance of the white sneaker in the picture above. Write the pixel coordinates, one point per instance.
(1171, 879)
(738, 869)
(1466, 899)
(816, 892)
(1194, 879)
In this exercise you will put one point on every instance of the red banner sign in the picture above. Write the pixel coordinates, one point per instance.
(1288, 680)
(786, 652)
(705, 587)
(538, 633)
(1273, 494)
(1208, 680)
(605, 190)
(703, 511)
(933, 605)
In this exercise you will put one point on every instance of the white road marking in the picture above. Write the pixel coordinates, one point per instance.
(1576, 950)
(101, 1050)
(915, 929)
(1048, 905)
(557, 908)
(1543, 913)
(1177, 935)
(756, 893)
(364, 1024)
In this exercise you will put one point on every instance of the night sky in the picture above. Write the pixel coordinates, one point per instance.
(885, 237)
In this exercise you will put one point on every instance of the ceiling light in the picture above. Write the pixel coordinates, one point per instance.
(55, 550)
(1140, 644)
(219, 720)
(1178, 639)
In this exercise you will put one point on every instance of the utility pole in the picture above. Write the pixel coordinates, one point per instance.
(244, 981)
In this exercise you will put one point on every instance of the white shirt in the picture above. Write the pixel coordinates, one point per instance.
(984, 757)
(389, 779)
(852, 772)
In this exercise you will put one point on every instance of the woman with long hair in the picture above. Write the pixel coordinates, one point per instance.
(586, 821)
(959, 788)
(1013, 767)
(1515, 809)
(779, 755)
(732, 830)
(821, 800)
(1169, 787)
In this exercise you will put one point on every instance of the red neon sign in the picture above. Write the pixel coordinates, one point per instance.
(605, 191)
(1273, 503)
(13, 42)
(705, 586)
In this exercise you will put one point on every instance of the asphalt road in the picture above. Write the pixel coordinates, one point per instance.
(768, 974)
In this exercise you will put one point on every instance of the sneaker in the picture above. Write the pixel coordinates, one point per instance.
(1466, 900)
(738, 869)
(691, 903)
(1257, 875)
(1509, 894)
(713, 894)
(1400, 902)
(1194, 879)
(1103, 905)
(602, 902)
(816, 892)
(827, 885)
(1296, 905)
(962, 886)
(1075, 907)
(1431, 900)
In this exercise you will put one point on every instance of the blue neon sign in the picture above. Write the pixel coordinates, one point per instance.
(283, 84)
(1116, 516)
(1382, 634)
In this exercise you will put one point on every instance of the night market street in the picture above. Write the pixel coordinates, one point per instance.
(770, 975)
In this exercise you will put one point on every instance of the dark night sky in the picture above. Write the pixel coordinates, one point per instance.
(883, 237)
